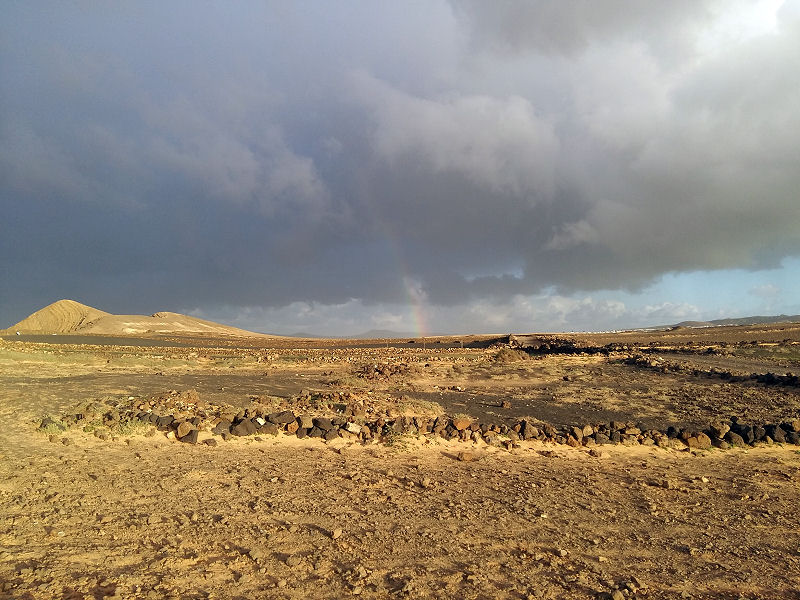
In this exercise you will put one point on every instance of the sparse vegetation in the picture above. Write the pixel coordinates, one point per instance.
(132, 427)
(51, 425)
(508, 355)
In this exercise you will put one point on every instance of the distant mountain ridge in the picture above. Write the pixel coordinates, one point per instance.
(69, 316)
(754, 320)
(372, 334)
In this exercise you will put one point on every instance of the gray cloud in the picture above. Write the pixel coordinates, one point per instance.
(279, 155)
(572, 27)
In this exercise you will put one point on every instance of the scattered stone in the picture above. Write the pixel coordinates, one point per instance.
(465, 456)
(269, 429)
(776, 433)
(257, 553)
(223, 427)
(734, 439)
(244, 427)
(703, 441)
(462, 423)
(281, 418)
(336, 534)
(719, 429)
(164, 422)
(331, 434)
(184, 428)
(191, 437)
(322, 423)
(293, 560)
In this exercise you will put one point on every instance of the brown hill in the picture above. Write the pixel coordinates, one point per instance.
(64, 316)
(68, 316)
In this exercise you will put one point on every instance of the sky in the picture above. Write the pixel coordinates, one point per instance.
(422, 167)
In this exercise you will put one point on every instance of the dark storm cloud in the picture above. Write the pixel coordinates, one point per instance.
(203, 155)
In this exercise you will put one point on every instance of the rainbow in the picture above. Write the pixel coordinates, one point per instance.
(415, 295)
(416, 299)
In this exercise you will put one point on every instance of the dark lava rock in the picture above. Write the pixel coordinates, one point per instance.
(302, 432)
(315, 432)
(776, 433)
(269, 429)
(745, 431)
(281, 418)
(331, 434)
(244, 427)
(165, 422)
(793, 437)
(323, 423)
(191, 437)
(734, 439)
(221, 428)
(210, 442)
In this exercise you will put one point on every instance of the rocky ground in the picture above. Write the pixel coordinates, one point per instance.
(109, 507)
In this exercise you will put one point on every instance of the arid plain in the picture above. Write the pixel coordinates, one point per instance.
(627, 465)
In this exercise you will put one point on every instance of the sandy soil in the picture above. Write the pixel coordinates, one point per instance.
(146, 517)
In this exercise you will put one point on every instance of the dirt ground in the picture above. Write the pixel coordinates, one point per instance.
(142, 516)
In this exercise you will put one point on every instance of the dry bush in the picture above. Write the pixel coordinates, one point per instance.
(507, 355)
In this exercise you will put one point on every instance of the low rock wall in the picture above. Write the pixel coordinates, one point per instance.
(184, 417)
